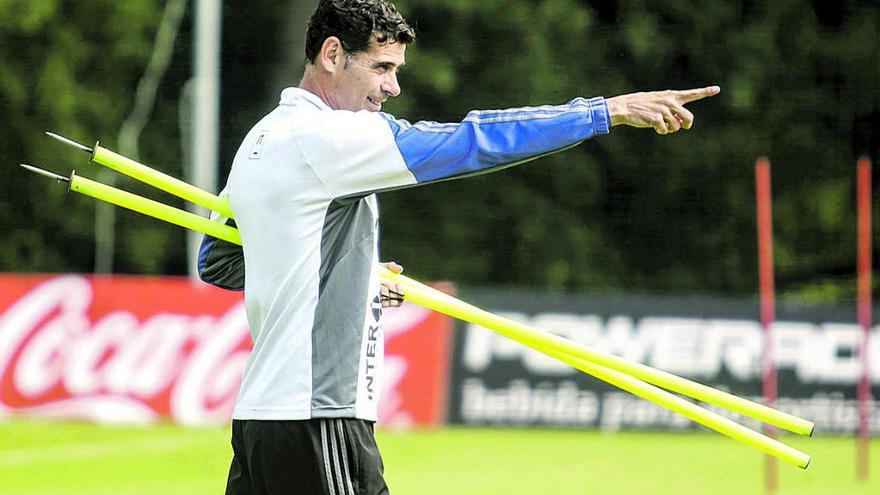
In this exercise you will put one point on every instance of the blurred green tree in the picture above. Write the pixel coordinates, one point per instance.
(631, 211)
(637, 211)
(72, 67)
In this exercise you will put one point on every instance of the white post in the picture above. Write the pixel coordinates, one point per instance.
(205, 109)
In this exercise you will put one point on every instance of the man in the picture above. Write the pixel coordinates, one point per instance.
(303, 186)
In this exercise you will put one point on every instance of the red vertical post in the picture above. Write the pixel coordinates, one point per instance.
(767, 297)
(863, 391)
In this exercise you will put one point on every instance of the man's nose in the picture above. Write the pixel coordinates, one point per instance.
(391, 86)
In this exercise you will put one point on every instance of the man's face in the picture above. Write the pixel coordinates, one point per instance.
(368, 78)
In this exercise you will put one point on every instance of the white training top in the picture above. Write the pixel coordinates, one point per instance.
(297, 187)
(302, 188)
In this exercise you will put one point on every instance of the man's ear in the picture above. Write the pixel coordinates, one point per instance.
(332, 55)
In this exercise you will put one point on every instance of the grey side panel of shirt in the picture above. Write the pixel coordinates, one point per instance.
(346, 260)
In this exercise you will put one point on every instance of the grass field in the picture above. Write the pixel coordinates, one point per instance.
(49, 458)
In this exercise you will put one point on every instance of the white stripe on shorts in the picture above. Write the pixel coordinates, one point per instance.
(341, 486)
(340, 431)
(330, 487)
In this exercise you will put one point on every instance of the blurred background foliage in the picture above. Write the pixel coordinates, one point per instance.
(632, 211)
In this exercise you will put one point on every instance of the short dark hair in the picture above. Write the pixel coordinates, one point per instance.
(355, 23)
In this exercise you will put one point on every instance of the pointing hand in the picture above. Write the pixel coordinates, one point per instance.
(664, 111)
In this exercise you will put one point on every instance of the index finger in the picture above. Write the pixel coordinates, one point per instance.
(393, 266)
(689, 95)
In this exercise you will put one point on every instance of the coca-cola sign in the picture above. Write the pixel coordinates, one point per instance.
(140, 349)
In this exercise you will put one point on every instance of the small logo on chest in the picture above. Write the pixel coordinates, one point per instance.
(257, 148)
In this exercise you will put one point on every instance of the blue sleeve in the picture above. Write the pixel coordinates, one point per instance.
(221, 263)
(488, 140)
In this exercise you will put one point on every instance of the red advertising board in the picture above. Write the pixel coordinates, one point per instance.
(144, 349)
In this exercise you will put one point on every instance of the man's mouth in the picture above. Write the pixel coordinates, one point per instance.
(374, 101)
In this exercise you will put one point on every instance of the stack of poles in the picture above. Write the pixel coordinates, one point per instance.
(634, 377)
(767, 298)
(863, 391)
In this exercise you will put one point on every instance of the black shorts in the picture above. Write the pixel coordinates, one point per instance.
(314, 456)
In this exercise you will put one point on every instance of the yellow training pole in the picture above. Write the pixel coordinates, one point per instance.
(433, 299)
(688, 409)
(143, 173)
(159, 180)
(646, 373)
(153, 209)
(449, 305)
(542, 341)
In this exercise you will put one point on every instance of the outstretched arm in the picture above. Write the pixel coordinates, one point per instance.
(436, 151)
(662, 110)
